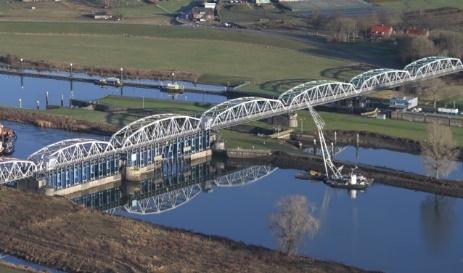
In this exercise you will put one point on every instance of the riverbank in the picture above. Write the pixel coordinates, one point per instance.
(381, 175)
(55, 232)
(13, 268)
(100, 124)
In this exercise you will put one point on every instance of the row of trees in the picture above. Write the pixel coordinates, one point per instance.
(447, 43)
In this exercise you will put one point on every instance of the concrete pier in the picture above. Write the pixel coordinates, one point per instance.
(83, 186)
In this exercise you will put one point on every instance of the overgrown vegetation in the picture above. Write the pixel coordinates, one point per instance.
(59, 234)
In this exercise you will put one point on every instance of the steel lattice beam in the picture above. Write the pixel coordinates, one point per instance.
(232, 112)
(12, 169)
(165, 127)
(241, 110)
(69, 151)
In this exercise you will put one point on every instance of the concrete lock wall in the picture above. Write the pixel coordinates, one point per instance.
(427, 118)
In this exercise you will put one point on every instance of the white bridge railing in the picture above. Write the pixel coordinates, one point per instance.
(157, 128)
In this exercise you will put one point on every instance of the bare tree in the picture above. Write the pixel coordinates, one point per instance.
(416, 48)
(292, 222)
(430, 88)
(439, 150)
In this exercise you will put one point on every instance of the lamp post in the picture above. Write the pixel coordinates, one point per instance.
(122, 71)
(173, 76)
(21, 60)
(70, 70)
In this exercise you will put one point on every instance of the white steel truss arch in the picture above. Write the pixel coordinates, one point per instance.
(433, 66)
(12, 169)
(164, 127)
(240, 110)
(164, 202)
(316, 92)
(69, 151)
(380, 78)
(118, 138)
(244, 176)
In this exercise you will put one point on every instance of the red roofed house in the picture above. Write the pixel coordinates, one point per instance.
(381, 31)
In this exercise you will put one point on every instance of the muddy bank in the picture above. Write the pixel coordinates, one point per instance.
(7, 267)
(381, 175)
(59, 234)
(44, 120)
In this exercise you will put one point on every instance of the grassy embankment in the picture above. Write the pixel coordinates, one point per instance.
(55, 232)
(132, 11)
(271, 64)
(408, 5)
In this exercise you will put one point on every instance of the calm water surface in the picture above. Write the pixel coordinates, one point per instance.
(384, 228)
(29, 90)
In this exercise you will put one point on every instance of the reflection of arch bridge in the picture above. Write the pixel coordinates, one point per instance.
(169, 136)
(175, 196)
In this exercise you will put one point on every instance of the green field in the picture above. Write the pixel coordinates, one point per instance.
(266, 60)
(388, 127)
(161, 106)
(410, 5)
(70, 10)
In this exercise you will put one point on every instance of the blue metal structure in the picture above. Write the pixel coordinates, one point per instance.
(171, 136)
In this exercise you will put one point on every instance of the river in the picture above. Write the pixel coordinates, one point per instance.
(385, 228)
(30, 90)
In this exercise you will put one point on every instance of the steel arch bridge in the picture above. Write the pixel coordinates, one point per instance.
(172, 127)
(240, 110)
(154, 129)
(316, 93)
(69, 151)
(12, 169)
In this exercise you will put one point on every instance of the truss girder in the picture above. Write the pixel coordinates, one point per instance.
(380, 78)
(69, 151)
(244, 176)
(167, 127)
(12, 169)
(433, 66)
(240, 110)
(315, 93)
(163, 202)
(117, 139)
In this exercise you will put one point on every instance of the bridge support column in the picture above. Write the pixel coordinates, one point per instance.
(292, 120)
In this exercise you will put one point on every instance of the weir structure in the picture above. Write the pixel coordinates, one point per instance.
(143, 143)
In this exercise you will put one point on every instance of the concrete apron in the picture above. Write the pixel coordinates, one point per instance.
(136, 174)
(84, 186)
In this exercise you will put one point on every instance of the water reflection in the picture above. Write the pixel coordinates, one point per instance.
(173, 185)
(438, 220)
(30, 90)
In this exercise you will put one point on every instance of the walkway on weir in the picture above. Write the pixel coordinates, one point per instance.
(162, 136)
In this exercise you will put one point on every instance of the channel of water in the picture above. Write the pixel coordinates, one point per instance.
(385, 228)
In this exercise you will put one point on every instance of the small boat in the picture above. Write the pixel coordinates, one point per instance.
(310, 175)
(112, 81)
(352, 181)
(174, 87)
